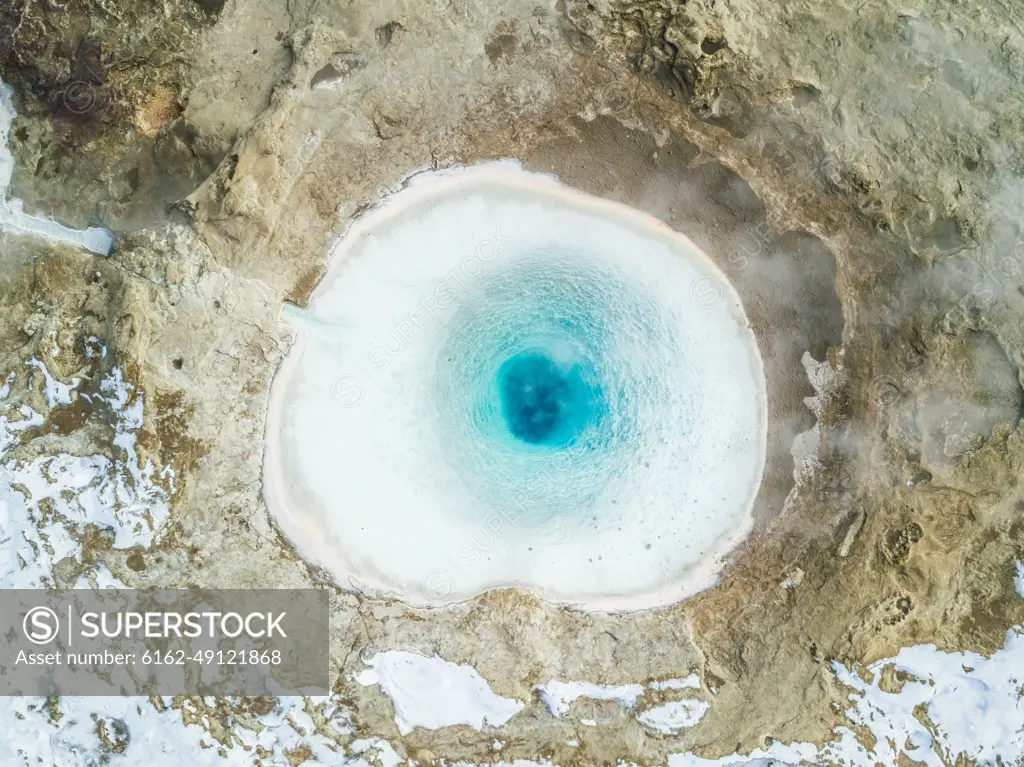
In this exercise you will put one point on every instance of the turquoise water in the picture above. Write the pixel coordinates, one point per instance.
(544, 383)
(546, 400)
(507, 386)
(527, 359)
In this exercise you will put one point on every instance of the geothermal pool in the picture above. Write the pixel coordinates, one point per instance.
(501, 381)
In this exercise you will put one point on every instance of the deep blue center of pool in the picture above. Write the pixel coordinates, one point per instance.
(544, 401)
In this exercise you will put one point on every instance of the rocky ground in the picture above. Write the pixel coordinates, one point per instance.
(856, 168)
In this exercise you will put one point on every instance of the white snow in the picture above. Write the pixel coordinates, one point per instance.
(973, 704)
(12, 214)
(779, 755)
(691, 682)
(433, 693)
(1019, 580)
(56, 393)
(674, 716)
(805, 444)
(379, 753)
(161, 739)
(29, 419)
(46, 502)
(557, 696)
(516, 763)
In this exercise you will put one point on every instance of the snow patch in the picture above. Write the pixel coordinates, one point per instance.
(516, 763)
(12, 214)
(972, 708)
(56, 393)
(805, 445)
(691, 682)
(30, 419)
(433, 693)
(558, 696)
(778, 755)
(674, 716)
(378, 753)
(158, 737)
(46, 502)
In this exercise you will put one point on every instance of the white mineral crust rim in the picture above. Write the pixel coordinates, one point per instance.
(307, 536)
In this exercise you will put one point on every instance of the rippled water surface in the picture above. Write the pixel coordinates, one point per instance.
(503, 382)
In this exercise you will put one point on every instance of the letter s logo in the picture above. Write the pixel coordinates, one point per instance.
(40, 625)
